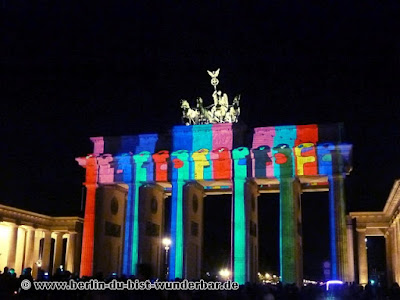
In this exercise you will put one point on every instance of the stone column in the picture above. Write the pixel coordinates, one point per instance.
(193, 199)
(362, 257)
(70, 261)
(291, 252)
(46, 250)
(396, 250)
(389, 258)
(251, 206)
(58, 251)
(151, 227)
(350, 276)
(36, 254)
(78, 246)
(393, 238)
(12, 248)
(338, 230)
(29, 248)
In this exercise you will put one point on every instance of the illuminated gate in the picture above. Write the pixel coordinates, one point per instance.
(207, 159)
(209, 156)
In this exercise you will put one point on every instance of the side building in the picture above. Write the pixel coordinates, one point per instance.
(385, 223)
(40, 242)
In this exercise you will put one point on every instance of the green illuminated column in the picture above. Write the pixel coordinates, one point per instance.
(239, 215)
(180, 175)
(338, 219)
(291, 253)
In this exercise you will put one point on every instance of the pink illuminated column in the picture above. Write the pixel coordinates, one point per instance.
(90, 163)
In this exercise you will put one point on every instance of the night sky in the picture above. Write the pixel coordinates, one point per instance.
(71, 70)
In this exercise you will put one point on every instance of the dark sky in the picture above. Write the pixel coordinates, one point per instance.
(71, 70)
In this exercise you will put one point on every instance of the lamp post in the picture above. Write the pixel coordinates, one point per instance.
(225, 274)
(166, 242)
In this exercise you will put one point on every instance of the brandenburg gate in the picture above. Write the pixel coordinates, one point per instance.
(129, 177)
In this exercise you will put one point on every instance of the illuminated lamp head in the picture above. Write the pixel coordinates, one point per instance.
(331, 283)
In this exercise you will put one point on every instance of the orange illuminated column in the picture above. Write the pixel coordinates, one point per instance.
(90, 163)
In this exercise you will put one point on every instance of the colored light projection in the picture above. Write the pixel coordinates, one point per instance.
(210, 147)
(180, 174)
(206, 152)
(239, 218)
(90, 164)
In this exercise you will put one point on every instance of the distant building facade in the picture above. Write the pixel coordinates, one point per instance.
(384, 223)
(40, 242)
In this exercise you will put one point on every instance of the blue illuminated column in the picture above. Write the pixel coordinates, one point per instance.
(180, 174)
(128, 237)
(331, 163)
(131, 242)
(238, 258)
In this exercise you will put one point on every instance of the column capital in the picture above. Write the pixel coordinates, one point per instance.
(30, 228)
(252, 182)
(13, 225)
(288, 178)
(153, 186)
(337, 176)
(91, 185)
(361, 229)
(47, 232)
(195, 184)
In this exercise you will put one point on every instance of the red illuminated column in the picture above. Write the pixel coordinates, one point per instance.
(222, 163)
(90, 164)
(161, 165)
(88, 232)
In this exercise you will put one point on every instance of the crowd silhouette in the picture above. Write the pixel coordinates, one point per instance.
(10, 288)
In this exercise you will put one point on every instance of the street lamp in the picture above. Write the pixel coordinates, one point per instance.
(225, 274)
(166, 242)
